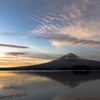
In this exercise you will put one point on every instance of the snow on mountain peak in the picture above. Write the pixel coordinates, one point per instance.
(72, 56)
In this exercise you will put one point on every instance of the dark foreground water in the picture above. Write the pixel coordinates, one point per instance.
(50, 85)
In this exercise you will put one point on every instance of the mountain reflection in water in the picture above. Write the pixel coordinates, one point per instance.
(50, 85)
(70, 78)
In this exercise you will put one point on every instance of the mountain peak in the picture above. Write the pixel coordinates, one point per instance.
(72, 56)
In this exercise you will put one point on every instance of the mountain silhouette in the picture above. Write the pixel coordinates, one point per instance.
(67, 61)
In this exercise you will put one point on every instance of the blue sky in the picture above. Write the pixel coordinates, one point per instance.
(48, 29)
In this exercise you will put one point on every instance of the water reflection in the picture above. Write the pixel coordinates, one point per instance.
(12, 95)
(88, 98)
(50, 85)
(70, 78)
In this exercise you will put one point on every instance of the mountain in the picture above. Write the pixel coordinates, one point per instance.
(67, 61)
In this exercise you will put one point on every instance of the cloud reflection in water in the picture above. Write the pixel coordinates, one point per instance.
(12, 95)
(51, 85)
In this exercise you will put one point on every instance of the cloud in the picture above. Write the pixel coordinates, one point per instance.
(12, 59)
(20, 61)
(15, 54)
(47, 23)
(12, 95)
(10, 34)
(67, 39)
(32, 55)
(77, 18)
(74, 18)
(14, 46)
(16, 59)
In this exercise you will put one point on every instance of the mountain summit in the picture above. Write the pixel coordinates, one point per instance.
(71, 56)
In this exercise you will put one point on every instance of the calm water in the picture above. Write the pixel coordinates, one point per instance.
(49, 85)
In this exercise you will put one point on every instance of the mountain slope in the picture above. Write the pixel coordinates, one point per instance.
(68, 61)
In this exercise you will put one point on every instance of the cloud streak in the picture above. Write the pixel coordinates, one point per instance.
(67, 39)
(15, 59)
(32, 55)
(11, 34)
(14, 46)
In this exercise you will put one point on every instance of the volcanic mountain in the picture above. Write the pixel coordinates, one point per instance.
(67, 61)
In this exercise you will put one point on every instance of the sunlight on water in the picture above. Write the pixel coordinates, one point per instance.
(47, 85)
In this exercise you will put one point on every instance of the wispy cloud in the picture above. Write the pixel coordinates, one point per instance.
(14, 46)
(10, 34)
(32, 55)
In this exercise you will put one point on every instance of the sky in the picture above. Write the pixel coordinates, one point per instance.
(39, 31)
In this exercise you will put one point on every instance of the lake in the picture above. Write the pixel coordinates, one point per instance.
(50, 85)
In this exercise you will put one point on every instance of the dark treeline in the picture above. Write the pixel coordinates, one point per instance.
(75, 67)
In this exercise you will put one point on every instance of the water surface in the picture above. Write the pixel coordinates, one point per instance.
(50, 85)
